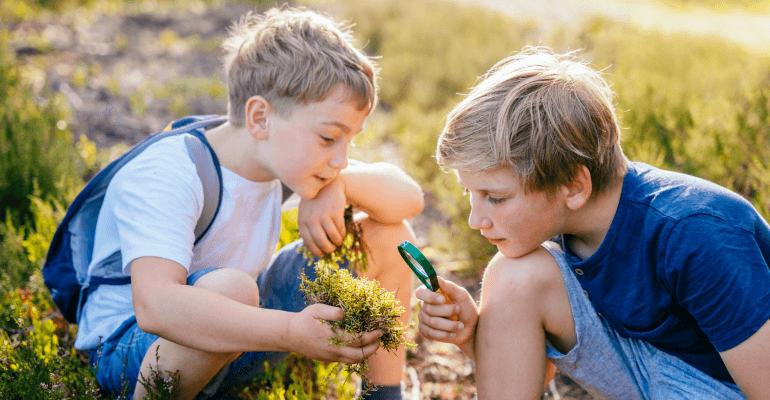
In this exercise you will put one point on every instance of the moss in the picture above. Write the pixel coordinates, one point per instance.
(367, 307)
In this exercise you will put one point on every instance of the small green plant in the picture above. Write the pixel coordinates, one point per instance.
(35, 363)
(160, 386)
(296, 377)
(367, 307)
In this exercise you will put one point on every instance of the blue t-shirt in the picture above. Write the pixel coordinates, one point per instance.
(684, 266)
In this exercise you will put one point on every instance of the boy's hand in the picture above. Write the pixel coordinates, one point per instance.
(321, 219)
(436, 317)
(310, 337)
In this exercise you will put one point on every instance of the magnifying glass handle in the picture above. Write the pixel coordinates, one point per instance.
(446, 301)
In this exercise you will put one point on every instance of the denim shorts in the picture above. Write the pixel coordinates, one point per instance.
(610, 366)
(119, 358)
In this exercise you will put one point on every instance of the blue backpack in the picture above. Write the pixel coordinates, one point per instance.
(66, 267)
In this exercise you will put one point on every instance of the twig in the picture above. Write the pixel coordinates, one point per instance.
(10, 330)
(552, 388)
(415, 383)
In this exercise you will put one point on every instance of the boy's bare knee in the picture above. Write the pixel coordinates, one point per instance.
(385, 263)
(377, 234)
(531, 285)
(527, 277)
(233, 283)
(382, 241)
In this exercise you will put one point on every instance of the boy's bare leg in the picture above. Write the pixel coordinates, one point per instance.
(387, 267)
(524, 302)
(196, 368)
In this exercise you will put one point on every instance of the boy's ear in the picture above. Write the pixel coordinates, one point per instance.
(580, 189)
(257, 110)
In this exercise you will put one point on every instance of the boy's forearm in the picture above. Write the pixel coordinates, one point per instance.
(384, 192)
(220, 324)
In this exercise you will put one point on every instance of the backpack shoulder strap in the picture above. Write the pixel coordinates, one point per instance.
(211, 177)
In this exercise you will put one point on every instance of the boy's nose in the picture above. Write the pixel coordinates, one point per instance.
(340, 159)
(477, 220)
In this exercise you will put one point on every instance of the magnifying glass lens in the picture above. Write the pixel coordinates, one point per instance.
(416, 265)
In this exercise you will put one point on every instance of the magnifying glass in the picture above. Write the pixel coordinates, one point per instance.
(422, 268)
(419, 265)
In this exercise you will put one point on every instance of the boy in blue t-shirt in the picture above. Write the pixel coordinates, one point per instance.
(638, 283)
(299, 92)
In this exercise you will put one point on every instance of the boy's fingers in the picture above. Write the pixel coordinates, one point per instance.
(326, 312)
(307, 237)
(440, 310)
(428, 296)
(370, 349)
(436, 334)
(332, 233)
(364, 339)
(322, 241)
(339, 222)
(439, 321)
(352, 355)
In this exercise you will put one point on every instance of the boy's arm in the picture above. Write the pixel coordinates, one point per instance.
(384, 192)
(205, 320)
(749, 364)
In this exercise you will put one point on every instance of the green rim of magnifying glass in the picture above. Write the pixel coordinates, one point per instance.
(430, 280)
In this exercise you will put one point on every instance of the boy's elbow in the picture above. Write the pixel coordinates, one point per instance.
(418, 202)
(148, 318)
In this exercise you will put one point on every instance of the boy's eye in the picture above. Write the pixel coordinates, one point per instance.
(495, 200)
(327, 139)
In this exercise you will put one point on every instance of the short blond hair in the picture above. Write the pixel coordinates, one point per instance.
(541, 114)
(292, 57)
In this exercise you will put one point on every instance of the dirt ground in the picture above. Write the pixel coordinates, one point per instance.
(101, 62)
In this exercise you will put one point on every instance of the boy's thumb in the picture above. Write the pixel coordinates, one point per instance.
(326, 312)
(450, 292)
(448, 288)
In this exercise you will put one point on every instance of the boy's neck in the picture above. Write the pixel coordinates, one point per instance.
(234, 148)
(592, 221)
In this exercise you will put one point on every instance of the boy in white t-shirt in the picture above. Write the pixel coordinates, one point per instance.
(299, 92)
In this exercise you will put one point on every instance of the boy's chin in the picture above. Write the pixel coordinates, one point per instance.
(308, 193)
(515, 252)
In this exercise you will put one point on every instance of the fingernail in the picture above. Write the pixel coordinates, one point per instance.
(460, 326)
(452, 335)
(440, 299)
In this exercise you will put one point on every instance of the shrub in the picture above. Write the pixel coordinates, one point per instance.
(37, 156)
(34, 363)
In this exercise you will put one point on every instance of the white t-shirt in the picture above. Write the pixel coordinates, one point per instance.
(150, 209)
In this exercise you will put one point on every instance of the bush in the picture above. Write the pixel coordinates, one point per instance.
(37, 155)
(40, 170)
(34, 363)
(690, 105)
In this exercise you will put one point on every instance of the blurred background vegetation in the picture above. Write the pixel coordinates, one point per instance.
(83, 80)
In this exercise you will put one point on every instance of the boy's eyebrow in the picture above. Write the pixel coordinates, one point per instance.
(344, 128)
(496, 190)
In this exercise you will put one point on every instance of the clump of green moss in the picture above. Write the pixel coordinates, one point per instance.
(367, 307)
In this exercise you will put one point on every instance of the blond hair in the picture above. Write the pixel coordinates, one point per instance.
(541, 114)
(292, 57)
